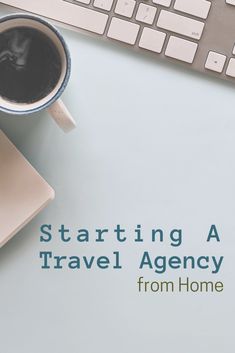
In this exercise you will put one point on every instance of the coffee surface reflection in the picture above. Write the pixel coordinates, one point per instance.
(30, 65)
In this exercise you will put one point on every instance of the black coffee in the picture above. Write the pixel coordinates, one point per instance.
(30, 65)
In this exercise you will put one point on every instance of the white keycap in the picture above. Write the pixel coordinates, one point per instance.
(152, 40)
(84, 1)
(146, 13)
(125, 7)
(180, 24)
(85, 18)
(166, 3)
(231, 68)
(69, 13)
(181, 49)
(234, 50)
(103, 4)
(230, 2)
(123, 30)
(215, 61)
(199, 8)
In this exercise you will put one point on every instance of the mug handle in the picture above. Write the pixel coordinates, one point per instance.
(62, 116)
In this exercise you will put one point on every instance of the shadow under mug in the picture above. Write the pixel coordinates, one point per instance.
(52, 101)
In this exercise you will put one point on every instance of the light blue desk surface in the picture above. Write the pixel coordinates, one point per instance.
(154, 146)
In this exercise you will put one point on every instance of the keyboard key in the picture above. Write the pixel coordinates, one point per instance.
(231, 68)
(152, 40)
(230, 2)
(84, 1)
(146, 13)
(69, 13)
(125, 7)
(180, 24)
(103, 4)
(181, 49)
(123, 30)
(198, 8)
(166, 3)
(82, 17)
(215, 61)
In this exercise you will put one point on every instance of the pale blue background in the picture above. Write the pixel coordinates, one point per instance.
(154, 145)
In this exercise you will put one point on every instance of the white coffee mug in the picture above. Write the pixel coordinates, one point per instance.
(52, 101)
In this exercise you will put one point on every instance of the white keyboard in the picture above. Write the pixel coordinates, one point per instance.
(198, 33)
